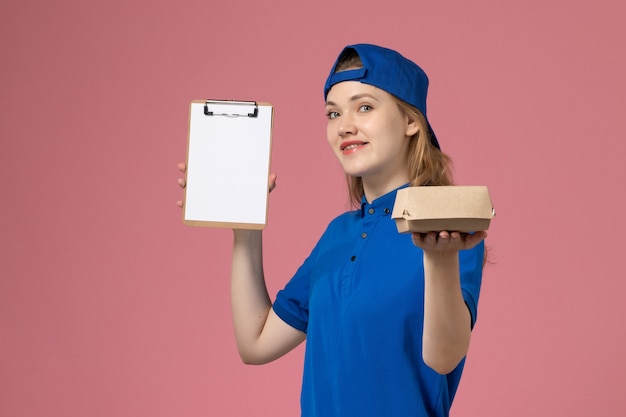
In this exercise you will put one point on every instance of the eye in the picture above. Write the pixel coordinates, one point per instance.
(365, 108)
(332, 114)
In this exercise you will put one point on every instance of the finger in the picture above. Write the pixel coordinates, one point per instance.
(475, 238)
(455, 235)
(418, 239)
(456, 239)
(469, 240)
(179, 203)
(431, 238)
(181, 182)
(445, 235)
(182, 167)
(272, 181)
(424, 240)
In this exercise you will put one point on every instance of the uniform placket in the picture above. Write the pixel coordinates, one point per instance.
(370, 216)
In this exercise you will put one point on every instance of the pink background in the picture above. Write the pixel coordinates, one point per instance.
(109, 306)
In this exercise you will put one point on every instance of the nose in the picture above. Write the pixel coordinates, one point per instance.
(346, 126)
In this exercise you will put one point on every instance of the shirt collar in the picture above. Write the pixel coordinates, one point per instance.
(383, 202)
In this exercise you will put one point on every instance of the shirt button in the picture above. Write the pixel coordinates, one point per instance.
(371, 210)
(387, 211)
(353, 258)
(364, 235)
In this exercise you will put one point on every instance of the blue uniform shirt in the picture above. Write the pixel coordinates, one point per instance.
(359, 297)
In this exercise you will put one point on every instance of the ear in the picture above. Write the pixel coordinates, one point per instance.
(412, 127)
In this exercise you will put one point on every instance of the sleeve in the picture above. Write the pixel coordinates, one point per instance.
(292, 302)
(471, 269)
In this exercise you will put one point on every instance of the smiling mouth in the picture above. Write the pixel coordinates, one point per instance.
(352, 146)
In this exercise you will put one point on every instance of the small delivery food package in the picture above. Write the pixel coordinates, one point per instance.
(435, 208)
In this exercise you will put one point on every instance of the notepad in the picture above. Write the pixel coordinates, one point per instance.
(228, 164)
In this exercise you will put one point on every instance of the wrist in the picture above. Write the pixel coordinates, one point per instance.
(244, 235)
(442, 257)
(441, 265)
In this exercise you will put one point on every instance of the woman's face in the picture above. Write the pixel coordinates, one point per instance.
(368, 133)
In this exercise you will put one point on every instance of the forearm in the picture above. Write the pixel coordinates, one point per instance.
(447, 321)
(249, 297)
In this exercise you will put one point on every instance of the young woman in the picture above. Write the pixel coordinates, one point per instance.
(387, 317)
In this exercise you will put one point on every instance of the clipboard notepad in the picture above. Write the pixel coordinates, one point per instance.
(228, 164)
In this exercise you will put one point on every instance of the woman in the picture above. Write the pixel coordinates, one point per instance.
(387, 317)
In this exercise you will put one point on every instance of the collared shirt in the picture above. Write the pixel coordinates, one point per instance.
(359, 297)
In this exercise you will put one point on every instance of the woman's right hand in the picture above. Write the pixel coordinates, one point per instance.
(271, 182)
(182, 167)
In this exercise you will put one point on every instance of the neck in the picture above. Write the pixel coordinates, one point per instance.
(374, 189)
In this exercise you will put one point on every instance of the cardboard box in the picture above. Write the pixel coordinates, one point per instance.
(435, 208)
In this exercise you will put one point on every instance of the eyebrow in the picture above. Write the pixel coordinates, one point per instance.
(355, 97)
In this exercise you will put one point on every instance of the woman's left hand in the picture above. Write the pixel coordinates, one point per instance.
(447, 242)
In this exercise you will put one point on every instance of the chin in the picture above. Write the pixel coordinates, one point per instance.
(355, 170)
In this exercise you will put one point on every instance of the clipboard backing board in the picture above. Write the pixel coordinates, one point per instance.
(228, 164)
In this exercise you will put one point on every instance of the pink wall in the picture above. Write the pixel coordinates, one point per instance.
(109, 306)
